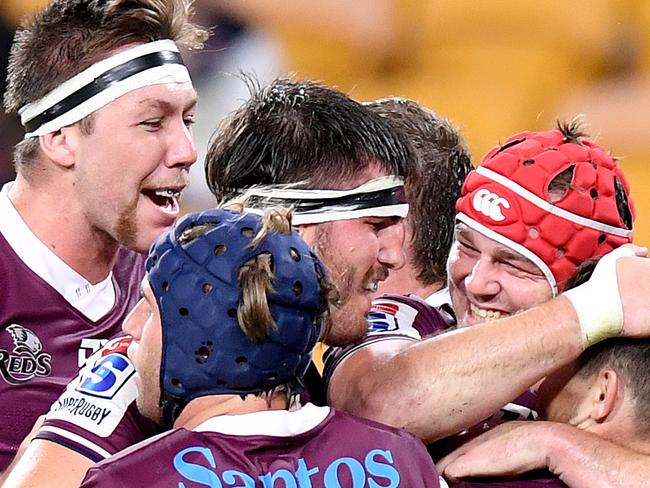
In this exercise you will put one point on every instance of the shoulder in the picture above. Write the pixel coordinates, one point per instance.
(393, 321)
(407, 315)
(96, 413)
(375, 428)
(125, 467)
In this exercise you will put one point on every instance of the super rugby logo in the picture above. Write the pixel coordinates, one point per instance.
(489, 204)
(26, 360)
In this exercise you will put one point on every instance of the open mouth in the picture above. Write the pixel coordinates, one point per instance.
(166, 199)
(372, 286)
(484, 314)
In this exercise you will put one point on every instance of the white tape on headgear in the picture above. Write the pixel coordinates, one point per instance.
(598, 301)
(148, 64)
(379, 197)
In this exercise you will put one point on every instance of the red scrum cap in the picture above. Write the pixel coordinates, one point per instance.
(554, 197)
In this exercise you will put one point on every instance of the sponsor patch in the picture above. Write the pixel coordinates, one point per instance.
(381, 317)
(107, 377)
(87, 348)
(119, 345)
(389, 316)
(97, 399)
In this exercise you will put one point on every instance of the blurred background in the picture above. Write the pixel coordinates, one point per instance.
(494, 67)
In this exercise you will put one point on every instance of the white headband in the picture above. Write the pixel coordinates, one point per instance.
(105, 81)
(380, 197)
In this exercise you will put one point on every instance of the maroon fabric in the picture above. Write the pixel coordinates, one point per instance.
(342, 451)
(41, 340)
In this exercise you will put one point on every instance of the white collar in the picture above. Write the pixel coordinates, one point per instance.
(439, 298)
(94, 301)
(278, 423)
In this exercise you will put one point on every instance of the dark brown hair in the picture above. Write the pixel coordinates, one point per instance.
(68, 36)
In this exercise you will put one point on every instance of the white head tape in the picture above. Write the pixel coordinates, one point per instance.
(105, 81)
(380, 197)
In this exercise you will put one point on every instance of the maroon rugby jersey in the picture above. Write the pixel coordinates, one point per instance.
(43, 337)
(312, 447)
(96, 415)
(393, 317)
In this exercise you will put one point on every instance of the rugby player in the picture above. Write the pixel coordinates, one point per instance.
(441, 164)
(289, 131)
(107, 106)
(600, 401)
(535, 208)
(220, 342)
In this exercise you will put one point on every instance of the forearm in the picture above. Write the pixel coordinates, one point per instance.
(47, 464)
(444, 384)
(583, 460)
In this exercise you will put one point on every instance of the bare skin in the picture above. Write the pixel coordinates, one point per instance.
(397, 386)
(581, 459)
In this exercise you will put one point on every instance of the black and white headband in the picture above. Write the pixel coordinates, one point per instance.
(105, 81)
(380, 197)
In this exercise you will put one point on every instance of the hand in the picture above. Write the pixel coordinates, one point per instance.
(634, 286)
(507, 450)
(600, 302)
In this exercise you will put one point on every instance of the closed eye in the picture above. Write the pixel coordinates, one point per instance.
(467, 248)
(152, 124)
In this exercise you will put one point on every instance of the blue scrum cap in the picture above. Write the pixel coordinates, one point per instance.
(205, 351)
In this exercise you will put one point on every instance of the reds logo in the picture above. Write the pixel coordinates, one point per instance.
(489, 204)
(27, 359)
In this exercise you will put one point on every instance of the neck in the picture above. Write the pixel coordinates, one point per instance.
(201, 409)
(624, 427)
(55, 218)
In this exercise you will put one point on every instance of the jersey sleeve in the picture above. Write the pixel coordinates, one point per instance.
(96, 415)
(392, 317)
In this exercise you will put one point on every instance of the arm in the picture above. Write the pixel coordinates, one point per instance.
(431, 388)
(47, 464)
(579, 458)
(93, 418)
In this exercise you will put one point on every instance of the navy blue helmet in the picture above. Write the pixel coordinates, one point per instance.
(195, 282)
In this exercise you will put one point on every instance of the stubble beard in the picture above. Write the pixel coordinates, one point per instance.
(126, 228)
(149, 393)
(345, 324)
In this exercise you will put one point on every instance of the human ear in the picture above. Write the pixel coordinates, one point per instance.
(604, 394)
(59, 146)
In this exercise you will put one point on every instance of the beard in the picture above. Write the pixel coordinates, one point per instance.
(126, 228)
(347, 319)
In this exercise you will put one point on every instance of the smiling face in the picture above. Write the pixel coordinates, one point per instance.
(132, 165)
(358, 254)
(488, 280)
(143, 324)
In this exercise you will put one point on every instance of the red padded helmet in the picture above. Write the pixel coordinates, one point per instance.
(512, 198)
